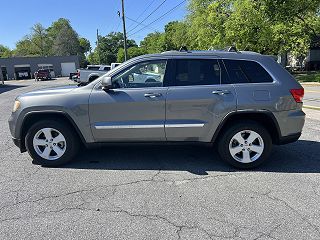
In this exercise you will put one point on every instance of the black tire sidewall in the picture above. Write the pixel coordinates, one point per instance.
(72, 143)
(223, 145)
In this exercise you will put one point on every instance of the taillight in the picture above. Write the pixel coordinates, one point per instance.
(297, 94)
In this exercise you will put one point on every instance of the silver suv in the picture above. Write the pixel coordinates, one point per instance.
(240, 102)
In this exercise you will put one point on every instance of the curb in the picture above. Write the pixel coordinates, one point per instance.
(311, 107)
(310, 83)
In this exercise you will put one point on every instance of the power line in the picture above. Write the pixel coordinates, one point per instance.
(148, 15)
(142, 12)
(116, 29)
(162, 16)
(144, 25)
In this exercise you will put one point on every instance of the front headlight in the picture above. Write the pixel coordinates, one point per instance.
(16, 106)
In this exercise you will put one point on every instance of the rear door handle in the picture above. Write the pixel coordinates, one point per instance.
(221, 92)
(152, 95)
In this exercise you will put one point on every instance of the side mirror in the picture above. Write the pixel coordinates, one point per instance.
(106, 83)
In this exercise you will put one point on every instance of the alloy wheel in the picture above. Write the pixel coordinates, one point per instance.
(49, 143)
(246, 146)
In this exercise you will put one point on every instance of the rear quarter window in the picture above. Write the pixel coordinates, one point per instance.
(243, 71)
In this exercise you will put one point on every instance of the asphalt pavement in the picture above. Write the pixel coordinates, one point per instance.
(158, 192)
(312, 96)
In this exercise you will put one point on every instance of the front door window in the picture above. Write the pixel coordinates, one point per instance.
(141, 75)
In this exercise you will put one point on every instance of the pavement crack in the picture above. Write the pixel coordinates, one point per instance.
(155, 217)
(287, 205)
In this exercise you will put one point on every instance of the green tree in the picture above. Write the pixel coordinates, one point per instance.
(63, 38)
(266, 26)
(34, 44)
(5, 52)
(154, 43)
(25, 47)
(109, 46)
(132, 52)
(39, 38)
(85, 45)
(93, 58)
(176, 35)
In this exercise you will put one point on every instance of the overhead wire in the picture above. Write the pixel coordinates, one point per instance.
(142, 13)
(144, 25)
(162, 16)
(147, 16)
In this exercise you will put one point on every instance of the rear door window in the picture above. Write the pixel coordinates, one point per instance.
(190, 72)
(242, 71)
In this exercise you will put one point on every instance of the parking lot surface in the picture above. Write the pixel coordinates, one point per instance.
(158, 192)
(312, 96)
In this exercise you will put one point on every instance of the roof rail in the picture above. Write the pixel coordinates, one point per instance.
(232, 49)
(183, 49)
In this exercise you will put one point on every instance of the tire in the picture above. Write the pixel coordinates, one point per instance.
(63, 149)
(238, 153)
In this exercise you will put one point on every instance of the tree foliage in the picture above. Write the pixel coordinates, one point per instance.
(266, 26)
(64, 38)
(34, 44)
(132, 52)
(60, 39)
(5, 52)
(153, 42)
(107, 50)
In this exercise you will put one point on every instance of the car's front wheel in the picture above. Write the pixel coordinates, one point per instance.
(51, 143)
(245, 145)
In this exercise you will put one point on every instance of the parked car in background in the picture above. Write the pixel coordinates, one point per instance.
(240, 102)
(42, 74)
(114, 65)
(91, 73)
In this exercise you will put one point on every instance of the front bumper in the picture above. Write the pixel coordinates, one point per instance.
(19, 144)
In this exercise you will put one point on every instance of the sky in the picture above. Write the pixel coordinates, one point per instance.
(18, 16)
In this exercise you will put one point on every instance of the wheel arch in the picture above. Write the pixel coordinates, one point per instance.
(33, 117)
(264, 117)
(93, 76)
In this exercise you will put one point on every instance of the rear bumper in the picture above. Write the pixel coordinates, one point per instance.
(288, 139)
(290, 124)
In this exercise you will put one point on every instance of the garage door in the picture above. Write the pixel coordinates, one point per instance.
(67, 68)
(22, 71)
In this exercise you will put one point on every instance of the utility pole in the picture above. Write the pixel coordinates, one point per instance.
(98, 48)
(124, 32)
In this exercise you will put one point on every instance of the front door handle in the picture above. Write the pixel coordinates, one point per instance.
(221, 92)
(152, 95)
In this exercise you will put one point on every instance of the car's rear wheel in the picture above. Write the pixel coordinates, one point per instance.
(51, 143)
(245, 145)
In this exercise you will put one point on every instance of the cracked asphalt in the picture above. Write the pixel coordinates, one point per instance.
(158, 192)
